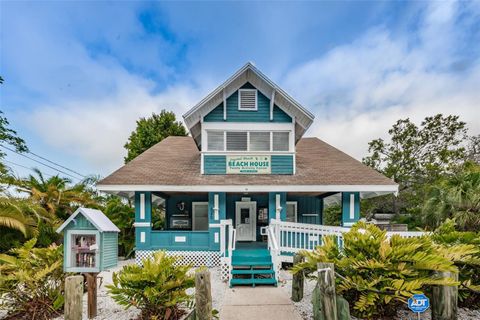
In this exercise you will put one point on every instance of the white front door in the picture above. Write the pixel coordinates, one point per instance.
(246, 220)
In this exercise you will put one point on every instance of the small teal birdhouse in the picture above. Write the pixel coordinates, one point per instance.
(90, 242)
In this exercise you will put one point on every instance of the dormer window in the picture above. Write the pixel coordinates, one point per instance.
(247, 99)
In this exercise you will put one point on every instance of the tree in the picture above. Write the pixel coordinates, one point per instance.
(418, 155)
(152, 130)
(457, 197)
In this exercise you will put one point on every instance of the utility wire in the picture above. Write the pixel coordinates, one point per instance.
(59, 165)
(46, 165)
(29, 168)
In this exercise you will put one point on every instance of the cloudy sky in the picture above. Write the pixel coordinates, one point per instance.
(79, 74)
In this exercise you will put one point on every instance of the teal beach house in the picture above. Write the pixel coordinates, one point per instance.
(245, 190)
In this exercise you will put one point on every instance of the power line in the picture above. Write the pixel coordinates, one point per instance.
(46, 165)
(59, 165)
(29, 168)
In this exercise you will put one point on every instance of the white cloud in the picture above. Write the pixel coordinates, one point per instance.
(360, 89)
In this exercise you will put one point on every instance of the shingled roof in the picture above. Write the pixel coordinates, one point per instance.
(174, 165)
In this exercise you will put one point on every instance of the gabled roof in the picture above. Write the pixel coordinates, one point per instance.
(248, 73)
(174, 165)
(96, 217)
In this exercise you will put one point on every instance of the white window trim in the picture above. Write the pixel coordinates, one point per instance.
(295, 203)
(291, 146)
(256, 100)
(194, 204)
(70, 233)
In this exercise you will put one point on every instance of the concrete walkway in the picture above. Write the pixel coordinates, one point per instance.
(263, 303)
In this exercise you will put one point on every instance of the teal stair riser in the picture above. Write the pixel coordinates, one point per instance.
(252, 267)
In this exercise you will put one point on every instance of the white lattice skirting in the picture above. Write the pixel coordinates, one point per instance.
(194, 258)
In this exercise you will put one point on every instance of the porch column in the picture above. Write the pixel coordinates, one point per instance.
(350, 208)
(277, 206)
(216, 211)
(143, 219)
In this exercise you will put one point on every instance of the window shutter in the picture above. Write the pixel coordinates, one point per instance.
(281, 141)
(259, 141)
(215, 140)
(236, 141)
(247, 99)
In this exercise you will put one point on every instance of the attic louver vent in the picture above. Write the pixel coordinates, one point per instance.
(247, 99)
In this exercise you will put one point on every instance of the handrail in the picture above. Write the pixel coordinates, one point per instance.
(293, 237)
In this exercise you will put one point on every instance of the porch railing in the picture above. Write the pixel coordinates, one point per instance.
(228, 236)
(293, 237)
(274, 248)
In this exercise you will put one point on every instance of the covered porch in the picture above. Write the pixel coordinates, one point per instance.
(192, 220)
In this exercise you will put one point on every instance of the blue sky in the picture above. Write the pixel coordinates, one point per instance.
(78, 74)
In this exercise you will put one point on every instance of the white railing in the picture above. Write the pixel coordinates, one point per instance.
(293, 237)
(274, 248)
(228, 236)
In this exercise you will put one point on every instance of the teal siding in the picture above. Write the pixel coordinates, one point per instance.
(171, 206)
(309, 209)
(148, 207)
(235, 115)
(81, 223)
(109, 250)
(282, 164)
(346, 207)
(215, 164)
(272, 208)
(194, 240)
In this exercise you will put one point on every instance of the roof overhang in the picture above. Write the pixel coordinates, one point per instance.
(365, 189)
(248, 73)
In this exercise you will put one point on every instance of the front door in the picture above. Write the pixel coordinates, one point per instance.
(246, 220)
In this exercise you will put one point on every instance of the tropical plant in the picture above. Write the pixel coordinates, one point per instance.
(376, 273)
(31, 282)
(158, 288)
(469, 267)
(55, 194)
(123, 216)
(150, 131)
(456, 196)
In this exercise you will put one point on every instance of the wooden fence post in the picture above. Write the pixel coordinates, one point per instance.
(203, 295)
(298, 280)
(324, 298)
(91, 295)
(445, 299)
(73, 297)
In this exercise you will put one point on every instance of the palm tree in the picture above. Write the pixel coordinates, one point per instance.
(22, 215)
(55, 194)
(457, 197)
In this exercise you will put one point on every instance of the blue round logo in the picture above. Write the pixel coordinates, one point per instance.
(418, 303)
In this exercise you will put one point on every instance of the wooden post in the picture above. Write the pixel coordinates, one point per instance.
(445, 299)
(91, 294)
(298, 280)
(203, 295)
(73, 297)
(324, 298)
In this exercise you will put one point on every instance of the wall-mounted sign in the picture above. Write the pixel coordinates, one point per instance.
(249, 164)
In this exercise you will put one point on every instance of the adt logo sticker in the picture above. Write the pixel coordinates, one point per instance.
(418, 303)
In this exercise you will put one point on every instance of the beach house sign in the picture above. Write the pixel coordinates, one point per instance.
(248, 164)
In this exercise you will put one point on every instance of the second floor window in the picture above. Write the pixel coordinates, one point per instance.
(254, 141)
(237, 141)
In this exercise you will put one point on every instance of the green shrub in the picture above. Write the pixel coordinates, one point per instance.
(379, 273)
(158, 288)
(469, 267)
(31, 282)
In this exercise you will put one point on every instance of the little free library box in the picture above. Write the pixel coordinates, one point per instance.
(90, 242)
